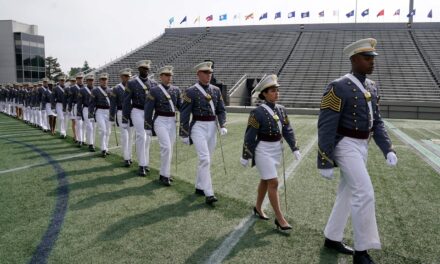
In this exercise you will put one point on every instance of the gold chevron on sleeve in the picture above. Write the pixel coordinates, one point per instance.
(331, 101)
(253, 122)
(186, 98)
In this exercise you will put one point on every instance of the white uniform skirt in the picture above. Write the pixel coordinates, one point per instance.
(267, 159)
(49, 111)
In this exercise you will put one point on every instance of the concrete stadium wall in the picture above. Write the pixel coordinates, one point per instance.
(397, 110)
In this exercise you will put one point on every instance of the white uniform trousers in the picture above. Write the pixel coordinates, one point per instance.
(104, 127)
(204, 137)
(49, 111)
(78, 124)
(142, 140)
(62, 119)
(165, 128)
(43, 119)
(126, 137)
(355, 196)
(25, 113)
(88, 127)
(14, 110)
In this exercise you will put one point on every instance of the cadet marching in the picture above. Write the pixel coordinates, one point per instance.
(141, 108)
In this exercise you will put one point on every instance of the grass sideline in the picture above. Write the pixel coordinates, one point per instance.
(116, 217)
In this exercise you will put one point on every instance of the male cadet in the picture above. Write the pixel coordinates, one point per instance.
(133, 107)
(204, 101)
(72, 82)
(2, 98)
(59, 100)
(117, 98)
(164, 100)
(34, 105)
(76, 83)
(42, 116)
(83, 113)
(349, 116)
(47, 101)
(20, 101)
(26, 102)
(99, 110)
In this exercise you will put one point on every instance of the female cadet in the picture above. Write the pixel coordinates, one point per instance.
(267, 125)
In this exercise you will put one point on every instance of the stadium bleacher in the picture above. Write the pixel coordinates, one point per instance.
(306, 58)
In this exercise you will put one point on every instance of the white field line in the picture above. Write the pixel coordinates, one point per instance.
(234, 237)
(45, 163)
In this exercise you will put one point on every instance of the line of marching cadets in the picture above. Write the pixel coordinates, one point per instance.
(349, 117)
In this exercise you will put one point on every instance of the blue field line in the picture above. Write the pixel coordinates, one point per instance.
(49, 238)
(433, 159)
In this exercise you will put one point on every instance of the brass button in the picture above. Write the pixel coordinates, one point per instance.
(354, 106)
(357, 128)
(355, 120)
(323, 158)
(354, 113)
(354, 90)
(355, 97)
(323, 163)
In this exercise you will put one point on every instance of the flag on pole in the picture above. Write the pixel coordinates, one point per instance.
(366, 12)
(277, 15)
(183, 20)
(236, 16)
(350, 14)
(171, 20)
(335, 12)
(209, 18)
(250, 16)
(263, 16)
(321, 14)
(381, 13)
(412, 13)
(305, 14)
(430, 14)
(197, 19)
(291, 14)
(223, 17)
(397, 13)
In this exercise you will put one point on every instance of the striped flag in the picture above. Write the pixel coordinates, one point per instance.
(381, 13)
(250, 16)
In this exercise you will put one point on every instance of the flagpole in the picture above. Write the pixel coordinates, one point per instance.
(411, 7)
(356, 12)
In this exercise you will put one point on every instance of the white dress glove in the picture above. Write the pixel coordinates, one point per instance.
(391, 159)
(244, 162)
(223, 131)
(149, 132)
(124, 125)
(297, 154)
(326, 173)
(185, 140)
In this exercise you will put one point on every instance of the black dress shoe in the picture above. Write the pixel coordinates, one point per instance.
(104, 153)
(260, 215)
(362, 258)
(211, 200)
(165, 180)
(199, 192)
(284, 228)
(79, 144)
(63, 136)
(127, 163)
(171, 178)
(91, 148)
(142, 172)
(147, 169)
(338, 246)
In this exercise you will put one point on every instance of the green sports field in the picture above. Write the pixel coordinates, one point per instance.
(62, 204)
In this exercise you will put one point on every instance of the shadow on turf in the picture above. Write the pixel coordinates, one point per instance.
(178, 209)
